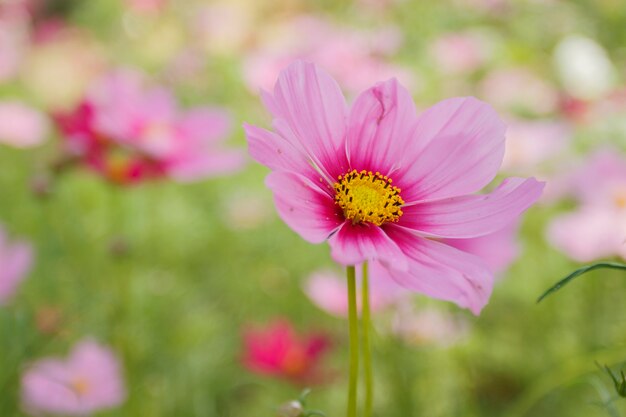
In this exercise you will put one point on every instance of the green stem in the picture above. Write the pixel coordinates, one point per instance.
(367, 352)
(354, 342)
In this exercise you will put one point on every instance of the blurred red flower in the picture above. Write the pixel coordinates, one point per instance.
(277, 350)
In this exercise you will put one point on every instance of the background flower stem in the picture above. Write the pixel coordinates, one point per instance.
(367, 355)
(354, 346)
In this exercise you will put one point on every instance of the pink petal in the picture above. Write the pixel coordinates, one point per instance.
(304, 206)
(441, 271)
(498, 249)
(473, 215)
(380, 128)
(310, 112)
(355, 244)
(277, 153)
(463, 146)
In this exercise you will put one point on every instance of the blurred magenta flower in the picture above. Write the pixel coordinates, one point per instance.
(16, 259)
(276, 350)
(130, 132)
(338, 49)
(382, 184)
(597, 228)
(90, 380)
(22, 126)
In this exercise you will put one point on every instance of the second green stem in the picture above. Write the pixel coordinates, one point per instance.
(367, 353)
(354, 343)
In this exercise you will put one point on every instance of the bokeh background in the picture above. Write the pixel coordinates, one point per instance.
(169, 276)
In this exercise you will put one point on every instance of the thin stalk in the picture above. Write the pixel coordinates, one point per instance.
(354, 342)
(367, 352)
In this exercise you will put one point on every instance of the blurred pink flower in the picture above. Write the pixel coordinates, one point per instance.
(337, 49)
(276, 350)
(130, 132)
(22, 126)
(90, 380)
(328, 290)
(530, 143)
(519, 90)
(16, 259)
(461, 52)
(332, 172)
(597, 228)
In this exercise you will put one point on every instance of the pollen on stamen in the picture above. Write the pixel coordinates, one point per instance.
(368, 197)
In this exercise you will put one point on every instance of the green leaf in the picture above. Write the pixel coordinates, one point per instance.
(579, 272)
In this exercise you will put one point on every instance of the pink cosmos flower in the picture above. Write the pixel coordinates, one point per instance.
(381, 184)
(88, 381)
(22, 126)
(597, 228)
(130, 132)
(277, 351)
(16, 259)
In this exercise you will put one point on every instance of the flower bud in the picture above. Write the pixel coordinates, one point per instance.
(290, 409)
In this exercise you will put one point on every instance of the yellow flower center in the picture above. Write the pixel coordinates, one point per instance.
(368, 197)
(80, 386)
(619, 199)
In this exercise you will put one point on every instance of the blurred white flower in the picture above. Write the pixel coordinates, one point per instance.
(529, 143)
(428, 326)
(584, 67)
